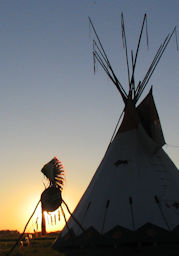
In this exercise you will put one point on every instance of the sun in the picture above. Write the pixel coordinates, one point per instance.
(54, 220)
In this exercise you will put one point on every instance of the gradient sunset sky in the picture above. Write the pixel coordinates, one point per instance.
(51, 104)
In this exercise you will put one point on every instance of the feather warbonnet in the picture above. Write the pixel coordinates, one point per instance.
(54, 171)
(51, 198)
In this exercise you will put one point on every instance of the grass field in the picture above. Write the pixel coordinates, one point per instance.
(36, 247)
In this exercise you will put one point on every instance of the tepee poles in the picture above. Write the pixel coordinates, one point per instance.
(125, 46)
(132, 83)
(131, 79)
(154, 63)
(100, 55)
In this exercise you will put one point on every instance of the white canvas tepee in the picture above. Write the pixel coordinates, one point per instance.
(136, 183)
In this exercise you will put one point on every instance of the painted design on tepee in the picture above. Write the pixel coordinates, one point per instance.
(136, 182)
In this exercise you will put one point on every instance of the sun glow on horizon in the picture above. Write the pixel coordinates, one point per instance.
(23, 202)
(55, 221)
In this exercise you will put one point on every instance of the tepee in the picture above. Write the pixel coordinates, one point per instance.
(136, 186)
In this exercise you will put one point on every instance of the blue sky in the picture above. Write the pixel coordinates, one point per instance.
(52, 104)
